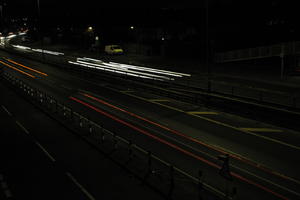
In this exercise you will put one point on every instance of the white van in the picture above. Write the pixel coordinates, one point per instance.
(113, 49)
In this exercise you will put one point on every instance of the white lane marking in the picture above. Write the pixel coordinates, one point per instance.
(22, 127)
(223, 124)
(5, 109)
(71, 177)
(8, 193)
(45, 151)
(5, 187)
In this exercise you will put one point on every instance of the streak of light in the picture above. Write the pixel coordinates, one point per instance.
(34, 70)
(17, 69)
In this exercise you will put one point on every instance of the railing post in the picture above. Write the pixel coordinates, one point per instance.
(149, 166)
(171, 189)
(200, 185)
(130, 151)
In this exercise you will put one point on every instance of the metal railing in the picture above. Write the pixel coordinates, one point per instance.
(282, 49)
(170, 181)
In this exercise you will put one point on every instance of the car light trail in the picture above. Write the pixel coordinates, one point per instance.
(152, 70)
(177, 148)
(256, 165)
(106, 67)
(144, 132)
(48, 52)
(34, 70)
(17, 69)
(21, 47)
(135, 67)
(153, 73)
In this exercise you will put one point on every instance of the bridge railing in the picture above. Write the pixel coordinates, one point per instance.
(162, 176)
(283, 49)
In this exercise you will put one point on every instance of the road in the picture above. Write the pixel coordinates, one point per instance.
(263, 157)
(40, 159)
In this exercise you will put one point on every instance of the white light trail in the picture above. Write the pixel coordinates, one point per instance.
(107, 65)
(120, 70)
(48, 52)
(153, 70)
(21, 47)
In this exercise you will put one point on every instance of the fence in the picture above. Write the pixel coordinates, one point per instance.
(170, 181)
(288, 48)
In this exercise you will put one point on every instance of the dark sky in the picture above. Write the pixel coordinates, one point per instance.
(219, 9)
(224, 15)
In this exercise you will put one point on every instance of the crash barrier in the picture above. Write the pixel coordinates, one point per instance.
(283, 49)
(288, 99)
(170, 181)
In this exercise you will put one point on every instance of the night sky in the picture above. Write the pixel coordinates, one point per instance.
(241, 20)
(221, 11)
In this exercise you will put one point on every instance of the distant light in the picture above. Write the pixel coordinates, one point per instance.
(162, 38)
(131, 27)
(90, 28)
(97, 38)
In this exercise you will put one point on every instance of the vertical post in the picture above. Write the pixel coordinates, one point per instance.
(149, 170)
(200, 185)
(115, 142)
(130, 152)
(71, 114)
(171, 182)
(282, 61)
(149, 161)
(282, 67)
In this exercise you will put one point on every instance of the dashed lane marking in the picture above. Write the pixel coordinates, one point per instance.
(5, 109)
(5, 187)
(22, 127)
(223, 124)
(202, 113)
(45, 151)
(270, 130)
(72, 178)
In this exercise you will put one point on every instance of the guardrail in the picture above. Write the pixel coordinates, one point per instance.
(283, 49)
(170, 181)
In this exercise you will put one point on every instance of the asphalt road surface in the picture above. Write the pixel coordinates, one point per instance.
(263, 159)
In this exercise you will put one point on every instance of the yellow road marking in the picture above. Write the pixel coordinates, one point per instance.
(159, 100)
(261, 130)
(222, 124)
(34, 70)
(17, 69)
(202, 113)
